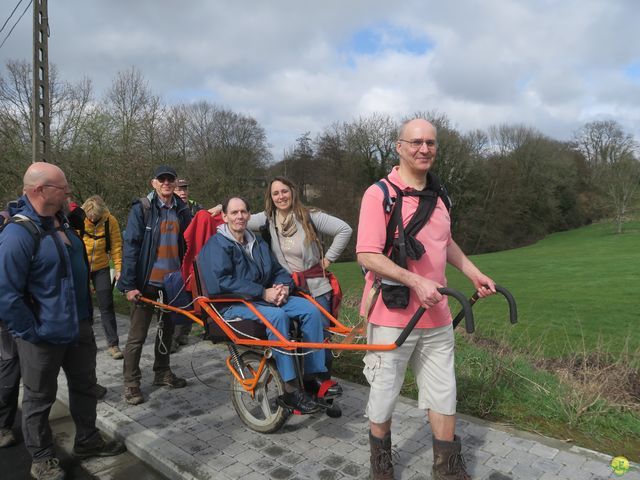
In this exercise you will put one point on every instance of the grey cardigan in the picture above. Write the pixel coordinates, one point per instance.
(326, 225)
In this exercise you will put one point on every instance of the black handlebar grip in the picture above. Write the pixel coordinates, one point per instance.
(513, 309)
(466, 311)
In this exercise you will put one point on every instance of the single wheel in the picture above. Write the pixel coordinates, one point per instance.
(260, 412)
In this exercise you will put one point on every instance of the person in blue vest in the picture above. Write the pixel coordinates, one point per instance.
(45, 303)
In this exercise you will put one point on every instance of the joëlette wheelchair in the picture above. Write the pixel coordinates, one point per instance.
(255, 382)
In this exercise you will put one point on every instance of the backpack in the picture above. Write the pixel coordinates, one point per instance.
(106, 236)
(405, 246)
(29, 225)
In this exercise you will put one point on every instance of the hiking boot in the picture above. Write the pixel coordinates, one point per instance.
(7, 437)
(448, 463)
(115, 353)
(98, 391)
(381, 457)
(133, 395)
(169, 379)
(181, 340)
(100, 448)
(298, 401)
(174, 347)
(47, 470)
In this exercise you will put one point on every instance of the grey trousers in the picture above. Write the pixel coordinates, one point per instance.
(140, 321)
(40, 364)
(104, 293)
(9, 378)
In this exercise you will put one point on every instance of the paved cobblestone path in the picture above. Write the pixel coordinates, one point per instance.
(194, 432)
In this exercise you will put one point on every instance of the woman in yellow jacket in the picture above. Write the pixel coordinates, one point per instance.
(103, 242)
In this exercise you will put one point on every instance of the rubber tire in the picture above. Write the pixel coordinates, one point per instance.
(261, 416)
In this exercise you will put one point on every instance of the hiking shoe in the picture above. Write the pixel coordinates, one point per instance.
(98, 391)
(100, 448)
(115, 353)
(298, 402)
(169, 379)
(7, 437)
(47, 470)
(133, 395)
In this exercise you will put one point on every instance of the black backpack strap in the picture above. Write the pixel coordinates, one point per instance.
(406, 245)
(146, 209)
(265, 233)
(107, 237)
(395, 222)
(440, 189)
(388, 200)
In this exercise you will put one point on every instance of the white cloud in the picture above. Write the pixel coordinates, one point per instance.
(295, 67)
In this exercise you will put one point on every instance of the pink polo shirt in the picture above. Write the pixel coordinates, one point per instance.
(435, 236)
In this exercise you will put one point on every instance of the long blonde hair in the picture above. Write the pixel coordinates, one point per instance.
(299, 210)
(94, 207)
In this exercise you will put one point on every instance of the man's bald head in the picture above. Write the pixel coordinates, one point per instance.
(40, 173)
(413, 123)
(46, 187)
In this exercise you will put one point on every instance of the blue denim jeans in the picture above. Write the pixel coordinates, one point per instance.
(310, 320)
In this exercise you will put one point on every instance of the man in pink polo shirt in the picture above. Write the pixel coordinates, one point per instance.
(429, 348)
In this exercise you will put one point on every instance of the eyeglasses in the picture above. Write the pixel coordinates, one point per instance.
(166, 178)
(417, 143)
(65, 189)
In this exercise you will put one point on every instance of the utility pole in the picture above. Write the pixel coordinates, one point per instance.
(40, 113)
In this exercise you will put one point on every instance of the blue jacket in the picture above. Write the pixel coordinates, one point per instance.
(140, 242)
(37, 296)
(226, 267)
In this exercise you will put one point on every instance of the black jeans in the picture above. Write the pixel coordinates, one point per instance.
(40, 364)
(9, 378)
(138, 329)
(104, 293)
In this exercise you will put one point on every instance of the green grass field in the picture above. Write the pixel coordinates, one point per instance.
(575, 290)
(577, 299)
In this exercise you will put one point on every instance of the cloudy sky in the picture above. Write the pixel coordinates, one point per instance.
(298, 66)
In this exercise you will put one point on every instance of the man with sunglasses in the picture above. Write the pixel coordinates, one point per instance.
(405, 288)
(153, 246)
(46, 304)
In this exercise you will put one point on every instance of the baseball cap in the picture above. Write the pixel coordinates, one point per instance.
(182, 182)
(165, 170)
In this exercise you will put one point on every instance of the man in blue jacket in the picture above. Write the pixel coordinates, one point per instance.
(153, 246)
(46, 304)
(235, 261)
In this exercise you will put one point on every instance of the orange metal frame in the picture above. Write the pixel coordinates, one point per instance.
(281, 342)
(249, 384)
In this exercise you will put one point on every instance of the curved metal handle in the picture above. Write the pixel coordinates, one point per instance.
(513, 309)
(466, 312)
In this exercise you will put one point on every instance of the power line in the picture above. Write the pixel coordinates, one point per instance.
(17, 21)
(10, 15)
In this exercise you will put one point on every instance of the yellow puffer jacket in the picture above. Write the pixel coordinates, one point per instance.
(96, 245)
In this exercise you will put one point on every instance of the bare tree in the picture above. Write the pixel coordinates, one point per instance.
(604, 142)
(610, 152)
